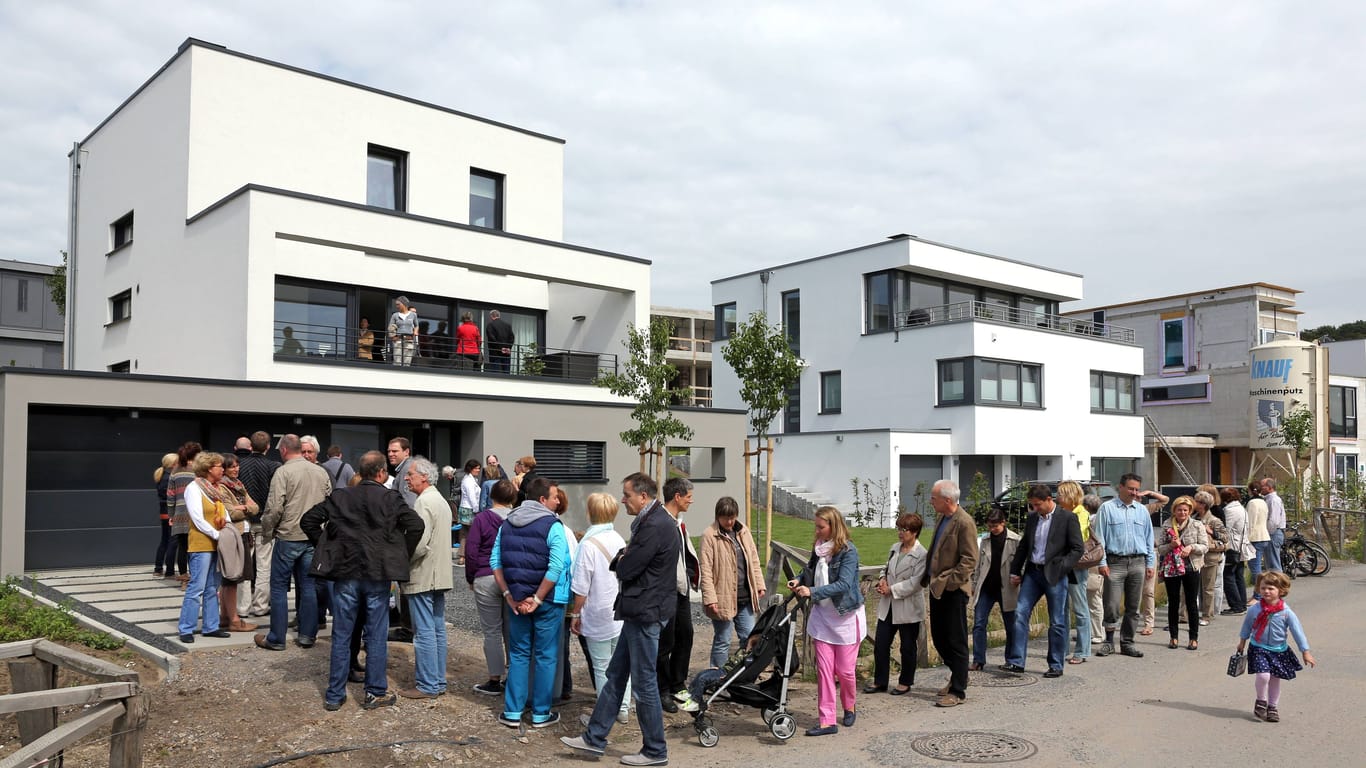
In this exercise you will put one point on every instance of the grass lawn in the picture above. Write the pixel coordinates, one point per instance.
(872, 543)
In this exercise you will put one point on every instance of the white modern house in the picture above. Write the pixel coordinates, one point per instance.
(235, 222)
(1346, 399)
(1196, 373)
(925, 361)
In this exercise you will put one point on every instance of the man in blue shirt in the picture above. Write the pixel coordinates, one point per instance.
(1124, 527)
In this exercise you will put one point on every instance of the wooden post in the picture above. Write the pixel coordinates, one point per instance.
(125, 748)
(30, 675)
(748, 482)
(768, 484)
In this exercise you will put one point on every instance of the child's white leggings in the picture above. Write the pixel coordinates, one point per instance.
(1268, 688)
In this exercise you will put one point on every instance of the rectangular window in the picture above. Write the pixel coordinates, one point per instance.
(386, 178)
(878, 302)
(21, 295)
(979, 381)
(571, 461)
(1112, 392)
(830, 392)
(123, 367)
(120, 307)
(1176, 392)
(700, 465)
(725, 321)
(1174, 343)
(792, 320)
(121, 232)
(486, 199)
(1342, 411)
(1344, 465)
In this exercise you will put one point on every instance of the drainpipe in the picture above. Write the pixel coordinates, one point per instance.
(73, 206)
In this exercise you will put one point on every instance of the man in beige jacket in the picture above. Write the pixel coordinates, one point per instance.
(429, 579)
(952, 558)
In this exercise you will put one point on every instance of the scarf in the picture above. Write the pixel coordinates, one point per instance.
(822, 575)
(1264, 618)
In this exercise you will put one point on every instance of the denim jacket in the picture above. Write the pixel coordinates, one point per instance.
(843, 589)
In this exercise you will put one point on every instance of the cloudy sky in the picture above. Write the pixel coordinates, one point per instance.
(1154, 147)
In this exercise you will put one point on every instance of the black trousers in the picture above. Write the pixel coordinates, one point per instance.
(1190, 585)
(949, 631)
(675, 650)
(882, 651)
(1235, 589)
(165, 559)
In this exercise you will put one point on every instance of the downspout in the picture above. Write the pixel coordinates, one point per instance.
(73, 206)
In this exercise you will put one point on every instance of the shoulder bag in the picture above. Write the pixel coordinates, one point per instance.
(1092, 554)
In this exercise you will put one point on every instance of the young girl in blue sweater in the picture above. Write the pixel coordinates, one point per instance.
(1269, 624)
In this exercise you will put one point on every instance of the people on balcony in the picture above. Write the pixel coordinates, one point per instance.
(467, 342)
(501, 339)
(291, 345)
(403, 332)
(365, 341)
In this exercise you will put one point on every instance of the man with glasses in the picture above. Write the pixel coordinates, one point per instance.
(1123, 526)
(1042, 567)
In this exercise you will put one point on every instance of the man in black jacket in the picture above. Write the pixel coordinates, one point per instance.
(255, 471)
(368, 534)
(647, 568)
(1042, 567)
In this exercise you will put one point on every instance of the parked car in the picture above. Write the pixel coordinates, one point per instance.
(1014, 504)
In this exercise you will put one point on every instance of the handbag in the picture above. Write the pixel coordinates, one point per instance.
(1092, 554)
(1237, 664)
(322, 565)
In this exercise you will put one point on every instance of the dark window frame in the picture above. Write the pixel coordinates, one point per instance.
(898, 292)
(1163, 394)
(1167, 365)
(122, 367)
(121, 307)
(571, 461)
(21, 294)
(499, 185)
(826, 377)
(1348, 408)
(400, 180)
(121, 232)
(1097, 383)
(973, 367)
(722, 329)
(793, 330)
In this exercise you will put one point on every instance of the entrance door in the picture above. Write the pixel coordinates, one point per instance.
(355, 440)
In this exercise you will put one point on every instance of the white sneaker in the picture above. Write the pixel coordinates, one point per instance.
(685, 701)
(624, 716)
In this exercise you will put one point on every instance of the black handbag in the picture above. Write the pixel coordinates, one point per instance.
(322, 565)
(1237, 664)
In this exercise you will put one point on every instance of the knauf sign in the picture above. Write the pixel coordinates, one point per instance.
(1280, 378)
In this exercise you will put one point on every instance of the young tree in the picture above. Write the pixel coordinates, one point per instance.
(56, 285)
(647, 378)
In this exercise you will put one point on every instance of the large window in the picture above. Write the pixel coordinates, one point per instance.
(571, 461)
(725, 321)
(1345, 465)
(1174, 343)
(121, 232)
(896, 298)
(1112, 392)
(982, 381)
(386, 178)
(1342, 411)
(831, 393)
(316, 318)
(486, 199)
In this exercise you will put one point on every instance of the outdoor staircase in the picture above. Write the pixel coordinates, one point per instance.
(1171, 453)
(790, 498)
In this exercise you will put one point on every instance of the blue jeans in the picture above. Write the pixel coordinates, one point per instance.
(201, 594)
(534, 639)
(633, 661)
(1274, 551)
(1032, 588)
(979, 626)
(1255, 566)
(600, 655)
(347, 597)
(429, 639)
(1081, 614)
(292, 559)
(742, 623)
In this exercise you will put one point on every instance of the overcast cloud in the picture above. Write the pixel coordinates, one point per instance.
(1153, 147)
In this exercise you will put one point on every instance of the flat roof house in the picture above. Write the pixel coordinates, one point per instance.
(926, 360)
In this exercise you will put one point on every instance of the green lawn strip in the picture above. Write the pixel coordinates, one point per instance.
(22, 618)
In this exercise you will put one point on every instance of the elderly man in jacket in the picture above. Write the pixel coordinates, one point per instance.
(429, 579)
(952, 558)
(647, 568)
(370, 535)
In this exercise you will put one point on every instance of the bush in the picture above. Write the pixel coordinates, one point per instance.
(22, 618)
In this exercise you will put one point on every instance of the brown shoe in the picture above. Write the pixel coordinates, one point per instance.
(240, 626)
(948, 700)
(943, 691)
(413, 693)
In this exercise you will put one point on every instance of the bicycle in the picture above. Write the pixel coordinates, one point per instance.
(1303, 557)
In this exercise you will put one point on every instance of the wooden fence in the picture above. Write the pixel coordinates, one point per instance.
(115, 699)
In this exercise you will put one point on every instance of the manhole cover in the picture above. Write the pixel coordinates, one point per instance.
(973, 747)
(1000, 679)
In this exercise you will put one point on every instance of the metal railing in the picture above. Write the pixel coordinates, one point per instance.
(331, 344)
(981, 310)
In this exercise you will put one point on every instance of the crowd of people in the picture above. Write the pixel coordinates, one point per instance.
(375, 541)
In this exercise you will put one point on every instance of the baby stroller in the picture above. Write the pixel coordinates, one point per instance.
(769, 645)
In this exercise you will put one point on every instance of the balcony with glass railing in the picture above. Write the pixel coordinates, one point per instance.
(331, 345)
(965, 311)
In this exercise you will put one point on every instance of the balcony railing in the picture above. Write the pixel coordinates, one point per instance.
(980, 310)
(331, 344)
(684, 344)
(696, 397)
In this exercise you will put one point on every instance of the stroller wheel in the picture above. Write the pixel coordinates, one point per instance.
(784, 726)
(708, 737)
(768, 715)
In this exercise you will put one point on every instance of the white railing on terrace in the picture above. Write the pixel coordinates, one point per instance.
(980, 310)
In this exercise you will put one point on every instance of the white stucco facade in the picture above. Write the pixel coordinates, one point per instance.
(240, 173)
(891, 406)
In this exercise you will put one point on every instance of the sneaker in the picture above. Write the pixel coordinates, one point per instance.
(1105, 649)
(624, 716)
(1129, 650)
(375, 702)
(490, 687)
(639, 759)
(577, 744)
(512, 722)
(685, 703)
(545, 721)
(333, 706)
